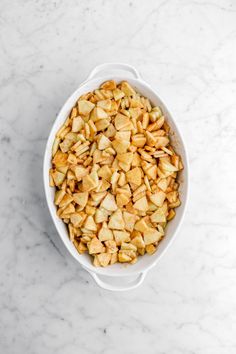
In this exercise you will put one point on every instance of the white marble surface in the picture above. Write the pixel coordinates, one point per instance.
(187, 51)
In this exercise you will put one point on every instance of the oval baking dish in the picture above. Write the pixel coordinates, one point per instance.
(118, 277)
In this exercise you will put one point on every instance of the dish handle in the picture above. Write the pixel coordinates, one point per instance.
(120, 285)
(111, 67)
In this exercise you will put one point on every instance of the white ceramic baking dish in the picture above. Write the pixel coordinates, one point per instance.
(118, 277)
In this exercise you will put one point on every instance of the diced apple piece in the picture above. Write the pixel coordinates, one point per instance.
(141, 225)
(66, 200)
(102, 124)
(95, 246)
(109, 202)
(152, 172)
(158, 216)
(171, 214)
(77, 124)
(85, 107)
(97, 114)
(152, 235)
(121, 121)
(158, 198)
(134, 176)
(141, 204)
(111, 131)
(90, 182)
(127, 89)
(116, 220)
(90, 224)
(60, 159)
(161, 141)
(76, 219)
(138, 140)
(126, 157)
(80, 246)
(124, 258)
(167, 166)
(105, 172)
(81, 198)
(58, 177)
(67, 211)
(124, 135)
(150, 249)
(163, 184)
(129, 220)
(95, 261)
(120, 146)
(80, 172)
(109, 85)
(122, 199)
(101, 215)
(121, 236)
(138, 241)
(172, 196)
(104, 259)
(59, 196)
(103, 142)
(114, 258)
(104, 104)
(111, 246)
(118, 94)
(105, 234)
(122, 179)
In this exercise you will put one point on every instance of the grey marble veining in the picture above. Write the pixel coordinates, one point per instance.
(187, 51)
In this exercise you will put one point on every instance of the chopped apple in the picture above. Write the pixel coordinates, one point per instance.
(105, 233)
(151, 235)
(134, 176)
(116, 220)
(85, 107)
(158, 198)
(109, 202)
(121, 236)
(95, 246)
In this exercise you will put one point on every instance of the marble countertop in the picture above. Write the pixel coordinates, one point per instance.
(187, 51)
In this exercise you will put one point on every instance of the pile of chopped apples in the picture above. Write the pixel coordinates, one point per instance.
(115, 174)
